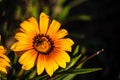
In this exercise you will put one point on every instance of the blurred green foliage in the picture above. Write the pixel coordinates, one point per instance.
(13, 12)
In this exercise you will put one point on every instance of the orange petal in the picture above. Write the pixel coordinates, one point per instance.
(26, 56)
(58, 59)
(30, 62)
(64, 44)
(41, 62)
(60, 34)
(4, 63)
(18, 46)
(33, 22)
(4, 57)
(23, 37)
(64, 55)
(2, 50)
(51, 65)
(44, 22)
(54, 27)
(29, 28)
(3, 70)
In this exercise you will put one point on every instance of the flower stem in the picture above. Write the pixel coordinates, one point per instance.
(32, 74)
(20, 74)
(88, 58)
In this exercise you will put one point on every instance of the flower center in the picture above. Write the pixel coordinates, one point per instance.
(42, 44)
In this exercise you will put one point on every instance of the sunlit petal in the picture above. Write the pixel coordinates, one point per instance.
(29, 28)
(3, 70)
(44, 22)
(58, 59)
(28, 62)
(34, 23)
(60, 34)
(54, 27)
(19, 46)
(50, 69)
(41, 62)
(64, 44)
(4, 60)
(27, 56)
(64, 55)
(2, 50)
(23, 37)
(5, 57)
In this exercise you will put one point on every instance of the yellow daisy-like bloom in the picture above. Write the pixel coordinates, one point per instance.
(42, 45)
(4, 60)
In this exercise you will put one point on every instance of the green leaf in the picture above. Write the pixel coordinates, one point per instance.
(60, 2)
(76, 58)
(69, 77)
(32, 74)
(33, 9)
(80, 64)
(76, 50)
(15, 59)
(84, 17)
(3, 76)
(73, 61)
(64, 14)
(70, 74)
(40, 77)
(82, 71)
(73, 73)
(83, 50)
(60, 77)
(76, 3)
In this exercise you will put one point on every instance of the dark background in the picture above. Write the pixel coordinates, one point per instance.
(101, 32)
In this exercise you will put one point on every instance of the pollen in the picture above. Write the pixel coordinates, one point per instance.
(42, 44)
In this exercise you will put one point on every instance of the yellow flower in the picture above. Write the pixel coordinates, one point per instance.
(42, 45)
(4, 60)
